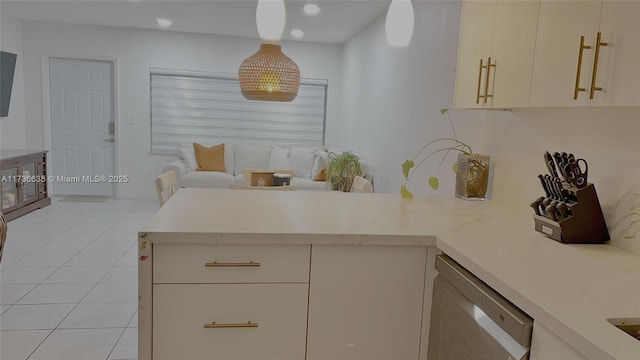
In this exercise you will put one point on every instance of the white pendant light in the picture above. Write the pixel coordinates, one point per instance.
(399, 23)
(270, 19)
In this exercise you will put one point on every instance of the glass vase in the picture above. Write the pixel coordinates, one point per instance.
(472, 176)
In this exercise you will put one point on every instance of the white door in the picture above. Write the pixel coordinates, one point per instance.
(82, 128)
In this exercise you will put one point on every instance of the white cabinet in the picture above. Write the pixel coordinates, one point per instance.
(619, 63)
(476, 37)
(495, 55)
(252, 321)
(223, 302)
(547, 346)
(293, 302)
(571, 68)
(366, 302)
(514, 39)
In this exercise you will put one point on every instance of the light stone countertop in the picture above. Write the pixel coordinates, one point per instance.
(571, 289)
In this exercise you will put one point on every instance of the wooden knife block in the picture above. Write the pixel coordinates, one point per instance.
(585, 226)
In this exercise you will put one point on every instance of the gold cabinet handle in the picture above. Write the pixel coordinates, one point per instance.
(478, 96)
(486, 81)
(248, 324)
(577, 88)
(217, 264)
(595, 88)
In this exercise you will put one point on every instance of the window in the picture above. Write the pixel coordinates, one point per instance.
(208, 108)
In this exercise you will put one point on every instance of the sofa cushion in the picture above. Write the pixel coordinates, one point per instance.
(188, 155)
(302, 159)
(279, 158)
(251, 156)
(229, 158)
(210, 158)
(320, 165)
(206, 179)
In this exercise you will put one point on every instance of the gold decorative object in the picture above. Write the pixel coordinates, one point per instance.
(248, 324)
(269, 75)
(217, 264)
(595, 88)
(472, 176)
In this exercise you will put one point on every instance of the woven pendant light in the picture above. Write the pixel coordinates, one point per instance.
(269, 75)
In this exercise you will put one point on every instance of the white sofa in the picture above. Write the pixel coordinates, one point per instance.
(305, 161)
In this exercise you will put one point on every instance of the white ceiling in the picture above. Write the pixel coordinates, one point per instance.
(336, 23)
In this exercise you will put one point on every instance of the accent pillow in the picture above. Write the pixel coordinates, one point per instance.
(320, 165)
(321, 176)
(279, 158)
(209, 158)
(302, 159)
(188, 155)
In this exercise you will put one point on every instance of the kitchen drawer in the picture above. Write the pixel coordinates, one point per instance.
(185, 263)
(180, 312)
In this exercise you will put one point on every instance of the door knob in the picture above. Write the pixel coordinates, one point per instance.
(110, 140)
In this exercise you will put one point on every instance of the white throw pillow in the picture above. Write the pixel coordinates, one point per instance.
(251, 157)
(188, 155)
(229, 158)
(321, 163)
(302, 159)
(279, 159)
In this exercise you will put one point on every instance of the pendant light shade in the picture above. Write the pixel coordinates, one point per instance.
(399, 23)
(269, 75)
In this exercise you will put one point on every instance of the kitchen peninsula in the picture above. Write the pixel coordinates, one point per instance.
(332, 275)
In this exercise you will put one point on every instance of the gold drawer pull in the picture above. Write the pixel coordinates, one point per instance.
(595, 88)
(478, 96)
(217, 264)
(577, 88)
(248, 324)
(486, 82)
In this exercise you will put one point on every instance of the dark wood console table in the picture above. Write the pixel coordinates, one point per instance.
(23, 182)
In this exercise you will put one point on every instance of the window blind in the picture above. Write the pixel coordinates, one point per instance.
(208, 108)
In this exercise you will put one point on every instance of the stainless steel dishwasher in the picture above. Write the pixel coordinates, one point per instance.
(470, 320)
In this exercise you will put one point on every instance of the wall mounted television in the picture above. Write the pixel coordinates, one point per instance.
(7, 69)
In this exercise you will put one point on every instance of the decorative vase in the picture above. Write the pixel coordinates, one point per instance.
(472, 176)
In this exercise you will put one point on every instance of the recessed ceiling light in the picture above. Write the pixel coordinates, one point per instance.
(164, 23)
(297, 33)
(311, 9)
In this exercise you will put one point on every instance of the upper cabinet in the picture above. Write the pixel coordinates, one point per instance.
(587, 53)
(476, 39)
(495, 56)
(618, 70)
(549, 54)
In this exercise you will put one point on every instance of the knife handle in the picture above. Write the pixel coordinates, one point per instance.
(551, 211)
(548, 159)
(544, 185)
(536, 205)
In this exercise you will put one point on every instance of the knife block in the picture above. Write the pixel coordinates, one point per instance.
(585, 226)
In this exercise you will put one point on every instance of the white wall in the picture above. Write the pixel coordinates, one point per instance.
(138, 50)
(608, 138)
(393, 96)
(13, 127)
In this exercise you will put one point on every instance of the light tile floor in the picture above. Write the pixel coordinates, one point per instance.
(69, 282)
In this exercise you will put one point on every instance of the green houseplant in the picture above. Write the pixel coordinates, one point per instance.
(472, 170)
(342, 169)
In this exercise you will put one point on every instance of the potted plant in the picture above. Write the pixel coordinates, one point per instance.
(342, 169)
(472, 170)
